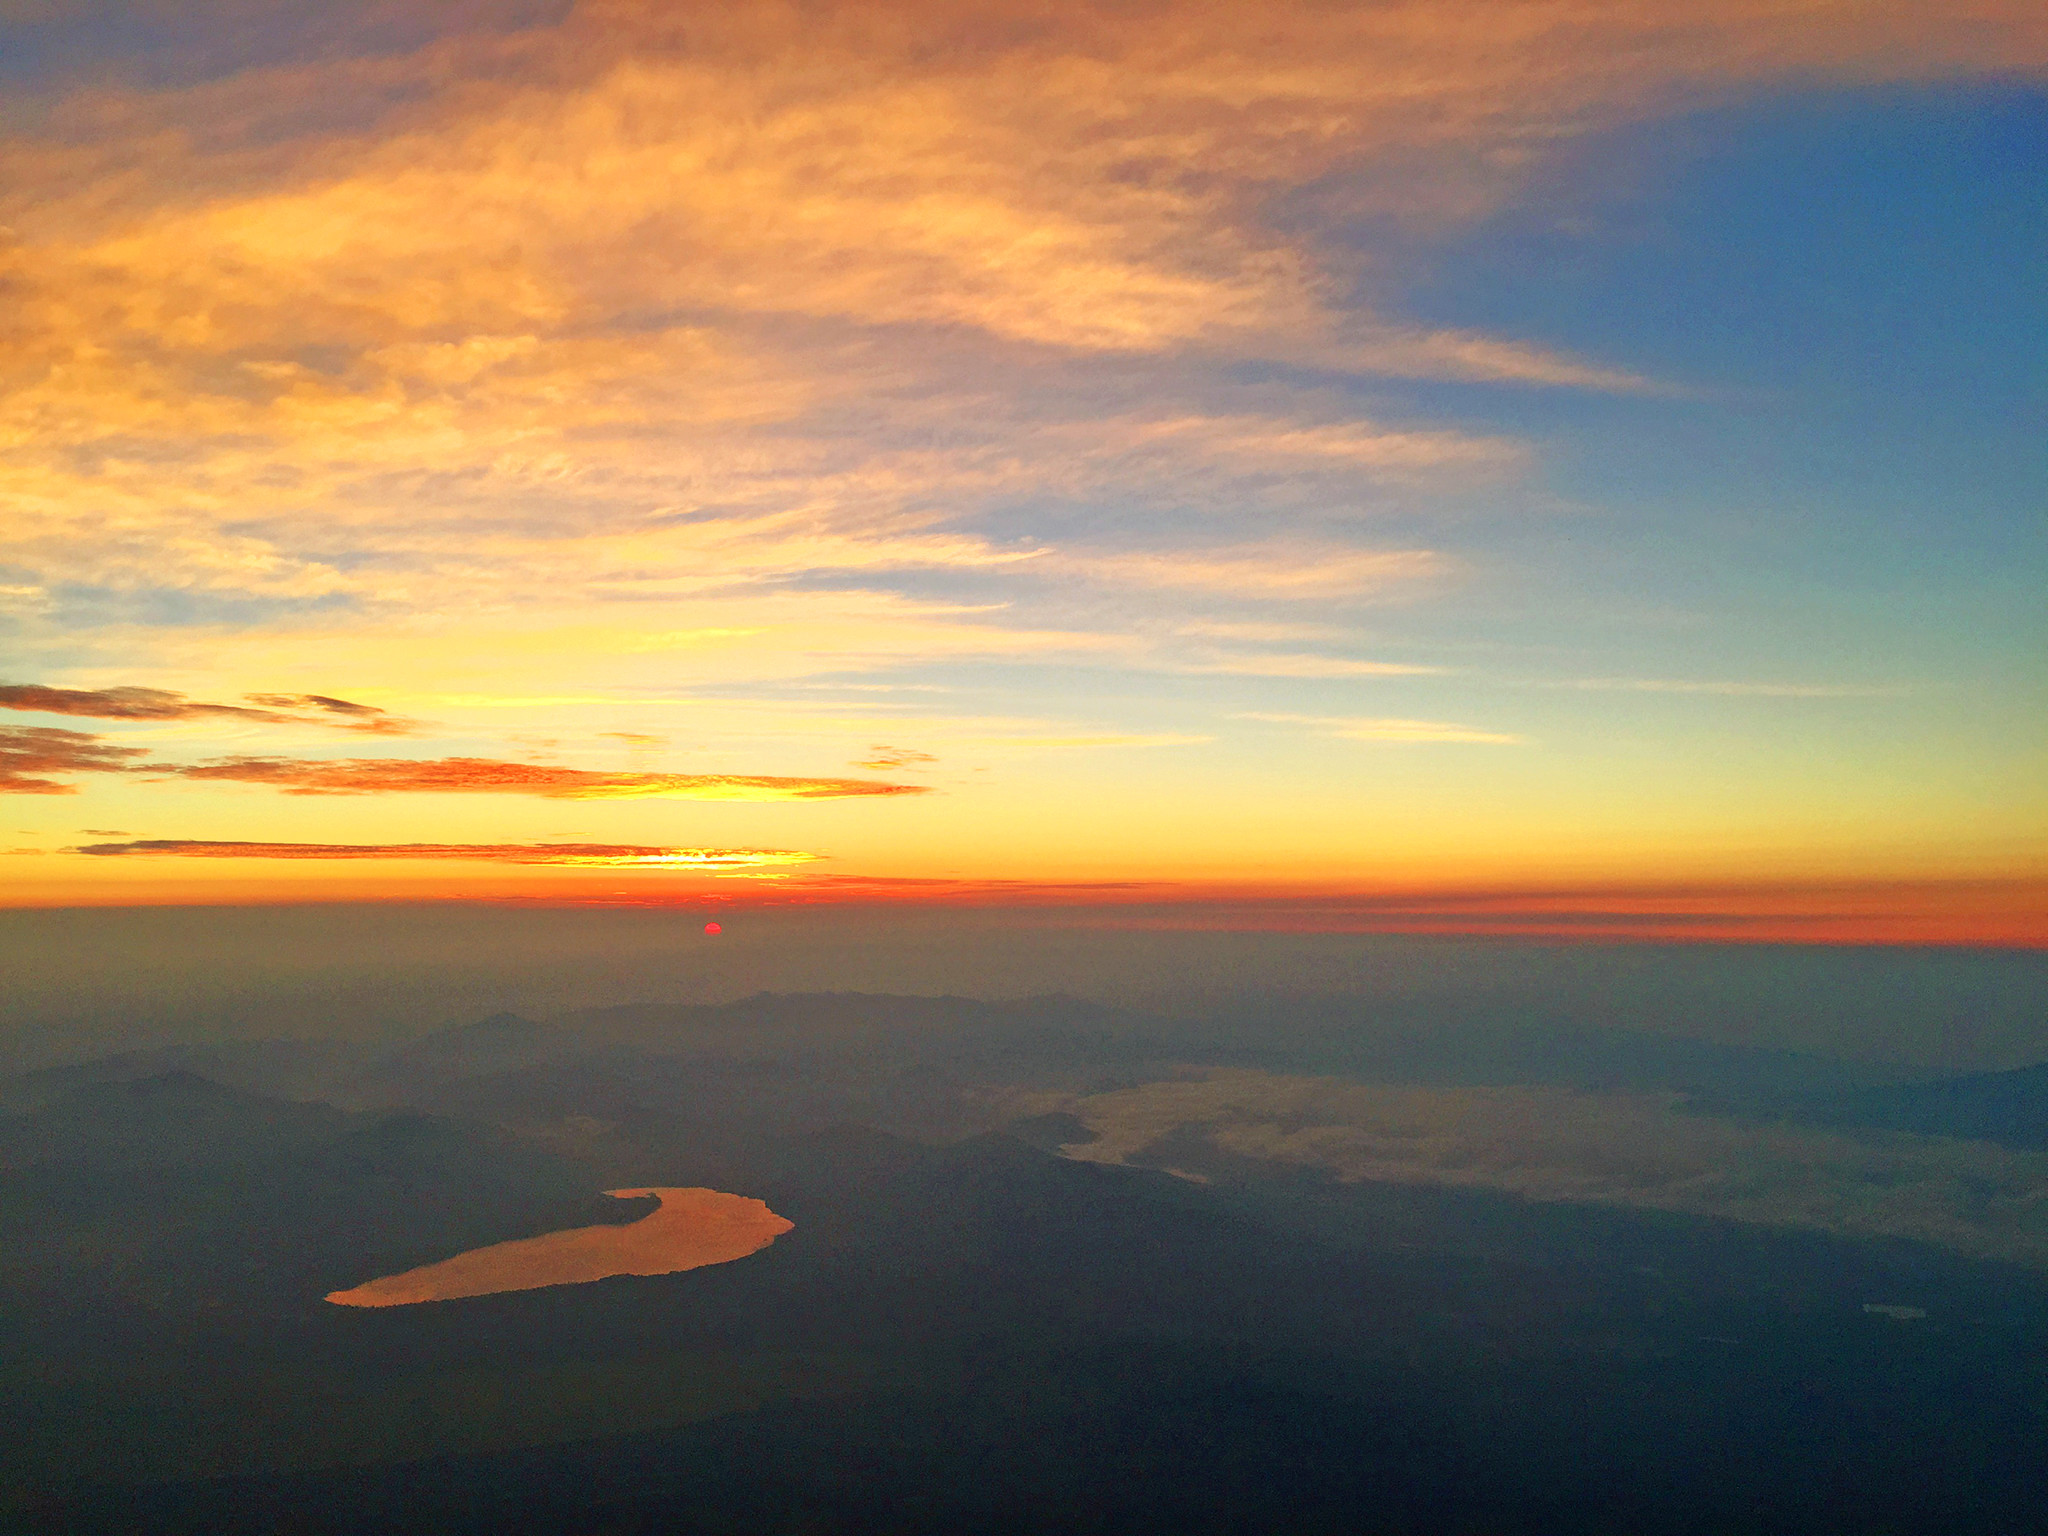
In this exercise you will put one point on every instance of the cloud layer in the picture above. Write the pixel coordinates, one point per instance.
(476, 775)
(737, 292)
(1611, 1149)
(28, 753)
(1409, 731)
(576, 855)
(161, 704)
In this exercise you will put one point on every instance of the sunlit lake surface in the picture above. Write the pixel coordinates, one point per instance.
(693, 1228)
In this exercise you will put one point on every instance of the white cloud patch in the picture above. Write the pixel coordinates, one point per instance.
(1311, 666)
(1729, 689)
(1635, 1150)
(1277, 571)
(1366, 728)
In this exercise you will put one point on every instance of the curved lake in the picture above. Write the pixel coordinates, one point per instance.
(692, 1228)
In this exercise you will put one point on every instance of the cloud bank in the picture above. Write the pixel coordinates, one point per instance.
(1638, 1150)
(161, 704)
(728, 293)
(578, 855)
(27, 753)
(1348, 728)
(478, 775)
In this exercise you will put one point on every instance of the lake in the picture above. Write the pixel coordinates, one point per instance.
(691, 1229)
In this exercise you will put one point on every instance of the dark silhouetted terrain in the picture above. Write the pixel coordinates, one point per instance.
(2006, 1107)
(967, 1330)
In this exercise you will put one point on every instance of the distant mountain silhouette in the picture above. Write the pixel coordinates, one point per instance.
(172, 1118)
(176, 1185)
(298, 1069)
(896, 1060)
(1349, 1038)
(819, 1025)
(998, 1041)
(2006, 1107)
(773, 1063)
(501, 1043)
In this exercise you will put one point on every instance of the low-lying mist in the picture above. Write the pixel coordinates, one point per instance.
(81, 983)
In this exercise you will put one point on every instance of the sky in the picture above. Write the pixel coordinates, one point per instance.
(1562, 469)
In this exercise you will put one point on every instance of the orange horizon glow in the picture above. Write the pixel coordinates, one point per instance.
(1992, 914)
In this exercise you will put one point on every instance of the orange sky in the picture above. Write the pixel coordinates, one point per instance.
(954, 453)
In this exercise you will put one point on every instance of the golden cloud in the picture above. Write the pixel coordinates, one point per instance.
(575, 855)
(1315, 666)
(884, 758)
(478, 775)
(1265, 571)
(445, 337)
(1354, 728)
(1727, 689)
(161, 704)
(28, 752)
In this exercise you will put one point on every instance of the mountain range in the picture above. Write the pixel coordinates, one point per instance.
(967, 1328)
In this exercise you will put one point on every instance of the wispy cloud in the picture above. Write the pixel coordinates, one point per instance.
(1270, 571)
(1258, 631)
(425, 327)
(478, 775)
(350, 716)
(1251, 442)
(161, 704)
(431, 345)
(884, 758)
(581, 855)
(1310, 666)
(1096, 739)
(1730, 689)
(1361, 728)
(26, 753)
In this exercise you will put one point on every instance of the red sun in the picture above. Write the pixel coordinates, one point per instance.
(713, 928)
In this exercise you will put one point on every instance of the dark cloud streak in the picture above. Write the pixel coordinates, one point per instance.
(162, 704)
(26, 752)
(642, 854)
(478, 775)
(883, 758)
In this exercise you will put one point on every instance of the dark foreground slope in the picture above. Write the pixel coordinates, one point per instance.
(985, 1337)
(180, 1198)
(1149, 1437)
